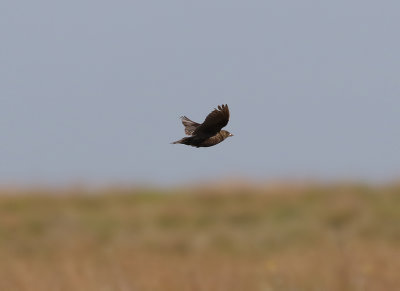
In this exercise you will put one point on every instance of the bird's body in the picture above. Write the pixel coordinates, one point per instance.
(210, 132)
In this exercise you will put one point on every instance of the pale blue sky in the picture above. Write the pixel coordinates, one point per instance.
(92, 90)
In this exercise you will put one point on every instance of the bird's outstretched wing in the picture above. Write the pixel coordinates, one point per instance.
(214, 121)
(190, 125)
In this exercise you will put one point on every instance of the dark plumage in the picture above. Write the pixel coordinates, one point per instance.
(208, 133)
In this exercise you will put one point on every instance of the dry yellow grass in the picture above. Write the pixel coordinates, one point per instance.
(284, 238)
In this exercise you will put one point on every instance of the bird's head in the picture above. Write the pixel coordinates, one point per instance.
(226, 133)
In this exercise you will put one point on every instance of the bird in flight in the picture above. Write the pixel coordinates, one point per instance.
(209, 132)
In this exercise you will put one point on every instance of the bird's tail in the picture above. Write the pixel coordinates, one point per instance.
(184, 140)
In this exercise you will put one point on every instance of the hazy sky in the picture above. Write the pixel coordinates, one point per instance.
(92, 90)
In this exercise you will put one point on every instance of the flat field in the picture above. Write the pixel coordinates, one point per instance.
(331, 237)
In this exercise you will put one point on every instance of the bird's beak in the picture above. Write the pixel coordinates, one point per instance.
(230, 134)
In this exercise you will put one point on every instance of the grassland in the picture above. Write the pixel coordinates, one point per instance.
(338, 237)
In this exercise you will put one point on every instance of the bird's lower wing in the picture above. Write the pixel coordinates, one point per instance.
(190, 125)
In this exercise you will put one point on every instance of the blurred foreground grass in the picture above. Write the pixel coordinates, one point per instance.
(338, 237)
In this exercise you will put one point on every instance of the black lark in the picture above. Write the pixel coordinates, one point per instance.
(208, 133)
